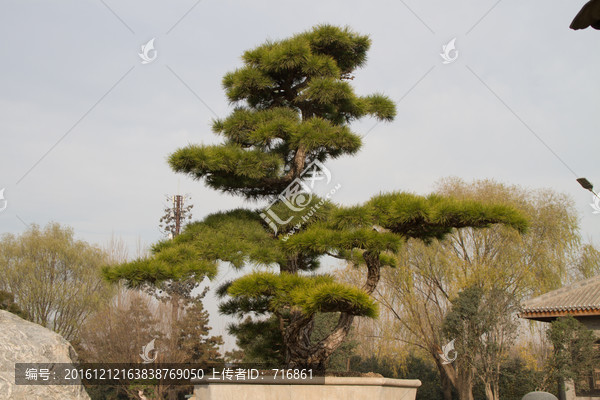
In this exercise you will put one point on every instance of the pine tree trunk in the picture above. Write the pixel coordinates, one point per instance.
(297, 334)
(373, 271)
(296, 339)
(321, 352)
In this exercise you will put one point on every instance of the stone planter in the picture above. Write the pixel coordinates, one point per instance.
(333, 388)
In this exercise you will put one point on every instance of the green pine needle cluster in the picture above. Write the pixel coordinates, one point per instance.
(176, 262)
(237, 237)
(241, 237)
(427, 217)
(311, 294)
(383, 223)
(325, 240)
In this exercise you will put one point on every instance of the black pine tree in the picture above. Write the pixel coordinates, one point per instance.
(294, 104)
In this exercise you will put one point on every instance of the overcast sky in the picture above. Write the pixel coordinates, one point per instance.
(86, 127)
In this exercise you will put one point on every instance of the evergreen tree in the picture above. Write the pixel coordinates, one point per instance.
(259, 341)
(293, 108)
(483, 323)
(192, 334)
(575, 354)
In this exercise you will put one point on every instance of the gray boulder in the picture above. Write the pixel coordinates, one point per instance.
(25, 342)
(539, 396)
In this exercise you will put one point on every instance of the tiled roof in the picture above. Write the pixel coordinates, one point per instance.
(582, 298)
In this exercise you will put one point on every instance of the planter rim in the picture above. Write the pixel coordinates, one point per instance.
(328, 380)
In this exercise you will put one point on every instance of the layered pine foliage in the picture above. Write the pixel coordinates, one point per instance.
(293, 105)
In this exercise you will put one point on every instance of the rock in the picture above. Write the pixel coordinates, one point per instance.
(24, 341)
(539, 396)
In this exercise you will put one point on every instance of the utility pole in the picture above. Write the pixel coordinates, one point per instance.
(176, 215)
(177, 206)
(172, 223)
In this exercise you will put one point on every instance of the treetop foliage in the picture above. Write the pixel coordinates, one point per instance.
(293, 103)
